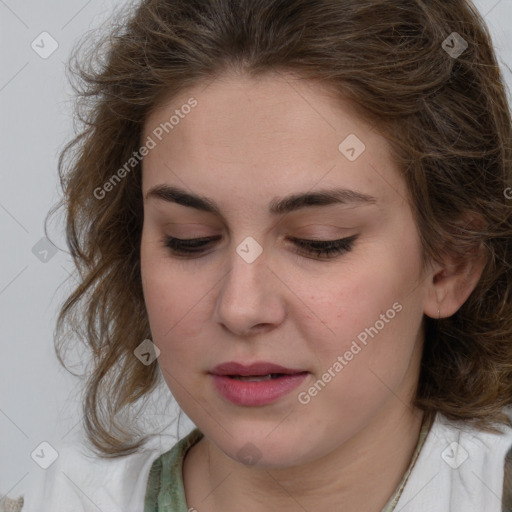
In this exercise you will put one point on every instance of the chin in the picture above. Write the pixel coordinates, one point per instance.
(263, 451)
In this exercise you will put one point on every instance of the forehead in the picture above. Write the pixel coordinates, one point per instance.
(274, 133)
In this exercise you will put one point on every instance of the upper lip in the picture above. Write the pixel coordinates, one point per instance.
(259, 368)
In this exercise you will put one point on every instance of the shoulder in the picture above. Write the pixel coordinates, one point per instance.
(494, 470)
(78, 480)
(175, 455)
(463, 467)
(165, 481)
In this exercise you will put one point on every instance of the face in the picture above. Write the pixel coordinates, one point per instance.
(348, 324)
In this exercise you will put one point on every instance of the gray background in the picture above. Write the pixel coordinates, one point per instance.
(39, 401)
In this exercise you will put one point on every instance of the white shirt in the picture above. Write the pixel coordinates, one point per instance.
(459, 469)
(78, 481)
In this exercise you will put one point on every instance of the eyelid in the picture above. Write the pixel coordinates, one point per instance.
(193, 248)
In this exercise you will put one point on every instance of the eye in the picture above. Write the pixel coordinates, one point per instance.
(189, 247)
(325, 248)
(194, 247)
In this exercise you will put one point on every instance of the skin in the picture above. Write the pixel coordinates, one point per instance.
(249, 141)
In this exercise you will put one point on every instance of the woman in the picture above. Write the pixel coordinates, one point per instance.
(296, 215)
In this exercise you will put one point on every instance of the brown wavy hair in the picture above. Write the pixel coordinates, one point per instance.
(447, 120)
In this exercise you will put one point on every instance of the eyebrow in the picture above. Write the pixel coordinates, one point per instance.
(279, 206)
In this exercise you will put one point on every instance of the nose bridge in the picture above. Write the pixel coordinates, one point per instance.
(249, 273)
(245, 297)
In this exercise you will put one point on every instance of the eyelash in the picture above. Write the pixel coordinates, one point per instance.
(322, 249)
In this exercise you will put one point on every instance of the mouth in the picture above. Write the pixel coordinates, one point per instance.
(255, 371)
(257, 378)
(256, 384)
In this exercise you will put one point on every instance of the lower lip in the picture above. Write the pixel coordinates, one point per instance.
(256, 393)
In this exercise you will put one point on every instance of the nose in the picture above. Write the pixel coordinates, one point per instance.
(250, 299)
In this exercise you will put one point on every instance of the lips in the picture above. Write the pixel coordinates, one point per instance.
(257, 384)
(234, 369)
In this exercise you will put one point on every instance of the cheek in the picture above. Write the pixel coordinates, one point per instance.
(171, 306)
(175, 309)
(172, 299)
(371, 313)
(338, 309)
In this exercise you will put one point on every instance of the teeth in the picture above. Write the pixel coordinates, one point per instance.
(255, 378)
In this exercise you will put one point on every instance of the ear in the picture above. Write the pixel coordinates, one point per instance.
(452, 281)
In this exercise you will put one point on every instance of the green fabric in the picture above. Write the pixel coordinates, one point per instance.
(165, 491)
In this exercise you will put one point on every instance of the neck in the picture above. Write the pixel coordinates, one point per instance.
(377, 457)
